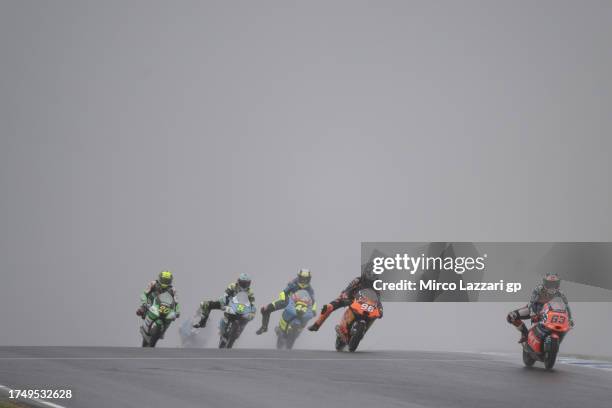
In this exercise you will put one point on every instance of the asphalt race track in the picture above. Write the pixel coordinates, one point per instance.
(132, 377)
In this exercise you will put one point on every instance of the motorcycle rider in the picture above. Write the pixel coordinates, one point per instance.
(543, 293)
(163, 283)
(301, 282)
(346, 297)
(242, 284)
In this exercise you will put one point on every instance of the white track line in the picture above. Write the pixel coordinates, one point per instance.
(241, 358)
(37, 402)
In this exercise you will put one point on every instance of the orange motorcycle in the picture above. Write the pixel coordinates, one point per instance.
(546, 333)
(357, 319)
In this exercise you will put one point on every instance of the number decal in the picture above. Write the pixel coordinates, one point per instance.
(367, 308)
(558, 319)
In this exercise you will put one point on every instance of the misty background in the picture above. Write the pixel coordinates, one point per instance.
(213, 138)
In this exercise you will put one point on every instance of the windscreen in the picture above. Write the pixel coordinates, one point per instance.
(557, 304)
(166, 298)
(242, 298)
(303, 296)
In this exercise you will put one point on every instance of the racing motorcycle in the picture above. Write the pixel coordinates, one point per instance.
(546, 333)
(157, 319)
(357, 319)
(294, 318)
(238, 312)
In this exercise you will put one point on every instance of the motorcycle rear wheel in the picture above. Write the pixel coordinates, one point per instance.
(340, 345)
(527, 359)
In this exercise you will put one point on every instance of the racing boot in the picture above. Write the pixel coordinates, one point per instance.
(515, 319)
(524, 333)
(204, 318)
(325, 312)
(342, 333)
(265, 318)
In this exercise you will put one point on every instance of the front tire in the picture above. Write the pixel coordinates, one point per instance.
(156, 332)
(551, 348)
(280, 344)
(233, 334)
(357, 331)
(292, 336)
(289, 343)
(549, 360)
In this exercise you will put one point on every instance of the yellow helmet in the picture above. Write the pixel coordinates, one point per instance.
(165, 279)
(304, 276)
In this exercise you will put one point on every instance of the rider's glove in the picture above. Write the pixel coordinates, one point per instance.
(141, 311)
(324, 309)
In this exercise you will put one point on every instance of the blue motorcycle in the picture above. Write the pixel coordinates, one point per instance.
(296, 315)
(238, 312)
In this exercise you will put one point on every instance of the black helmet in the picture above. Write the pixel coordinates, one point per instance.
(304, 276)
(551, 282)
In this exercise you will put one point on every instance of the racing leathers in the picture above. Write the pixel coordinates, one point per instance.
(345, 298)
(232, 290)
(282, 302)
(152, 290)
(539, 297)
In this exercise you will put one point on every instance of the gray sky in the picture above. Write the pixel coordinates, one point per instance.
(213, 138)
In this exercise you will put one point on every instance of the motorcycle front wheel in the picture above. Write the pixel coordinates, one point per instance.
(233, 333)
(358, 329)
(551, 348)
(292, 335)
(280, 342)
(224, 336)
(156, 332)
(549, 360)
